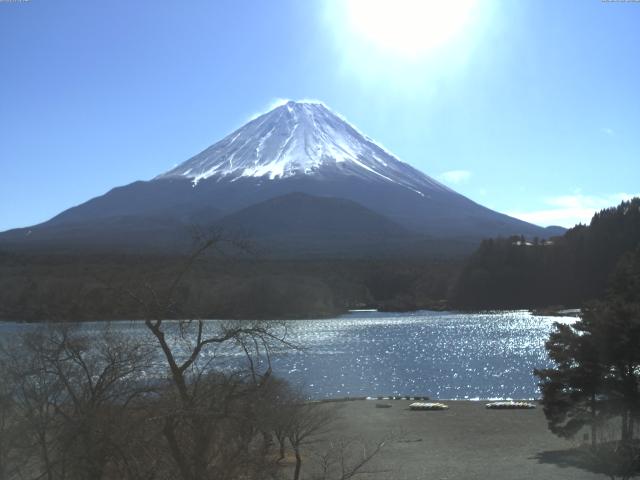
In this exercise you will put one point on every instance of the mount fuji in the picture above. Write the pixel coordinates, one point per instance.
(301, 139)
(297, 175)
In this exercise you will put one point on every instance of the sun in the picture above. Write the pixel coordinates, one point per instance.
(409, 28)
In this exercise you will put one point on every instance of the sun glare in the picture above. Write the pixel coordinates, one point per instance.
(409, 28)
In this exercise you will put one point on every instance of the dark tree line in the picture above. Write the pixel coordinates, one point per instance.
(89, 287)
(503, 273)
(569, 270)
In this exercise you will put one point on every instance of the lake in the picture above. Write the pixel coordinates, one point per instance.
(446, 355)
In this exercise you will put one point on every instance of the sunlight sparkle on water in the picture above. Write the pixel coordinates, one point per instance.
(440, 354)
(444, 355)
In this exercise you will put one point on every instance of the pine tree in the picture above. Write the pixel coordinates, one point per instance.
(597, 361)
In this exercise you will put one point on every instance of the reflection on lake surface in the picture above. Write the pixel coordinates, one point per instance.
(440, 354)
(445, 355)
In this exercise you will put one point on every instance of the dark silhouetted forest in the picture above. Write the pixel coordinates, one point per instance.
(503, 273)
(563, 271)
(82, 287)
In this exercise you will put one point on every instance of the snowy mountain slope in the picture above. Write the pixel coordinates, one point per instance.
(296, 147)
(301, 138)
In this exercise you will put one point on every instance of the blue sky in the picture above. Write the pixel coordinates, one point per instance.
(530, 108)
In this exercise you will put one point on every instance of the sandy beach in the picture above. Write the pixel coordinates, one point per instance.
(467, 441)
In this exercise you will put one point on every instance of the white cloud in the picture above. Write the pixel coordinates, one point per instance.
(275, 103)
(455, 177)
(569, 210)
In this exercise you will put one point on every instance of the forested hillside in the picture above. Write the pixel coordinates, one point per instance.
(86, 287)
(503, 273)
(566, 270)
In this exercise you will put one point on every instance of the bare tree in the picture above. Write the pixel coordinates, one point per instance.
(72, 393)
(9, 426)
(346, 458)
(206, 433)
(307, 422)
(85, 408)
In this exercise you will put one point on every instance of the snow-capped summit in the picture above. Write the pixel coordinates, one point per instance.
(300, 138)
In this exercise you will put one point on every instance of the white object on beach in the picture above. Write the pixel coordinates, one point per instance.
(427, 406)
(510, 405)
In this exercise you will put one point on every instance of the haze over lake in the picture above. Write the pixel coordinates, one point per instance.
(446, 355)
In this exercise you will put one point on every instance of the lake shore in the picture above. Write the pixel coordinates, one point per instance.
(467, 441)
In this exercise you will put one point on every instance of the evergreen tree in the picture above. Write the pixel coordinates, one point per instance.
(597, 361)
(570, 270)
(570, 390)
